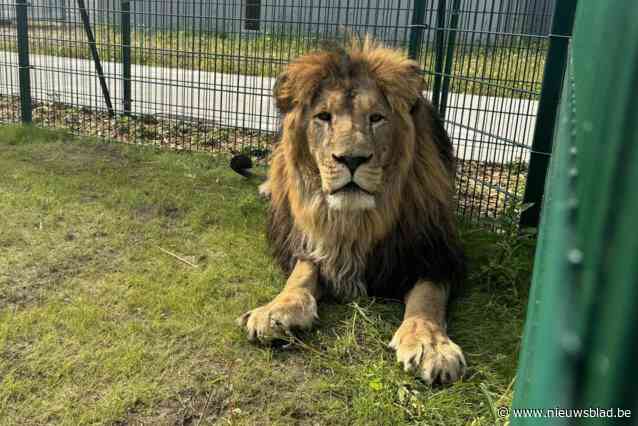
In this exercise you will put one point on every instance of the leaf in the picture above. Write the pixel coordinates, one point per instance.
(375, 384)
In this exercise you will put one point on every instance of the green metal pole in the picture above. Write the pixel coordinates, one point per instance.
(416, 29)
(23, 61)
(439, 49)
(545, 376)
(562, 26)
(126, 55)
(96, 57)
(581, 339)
(449, 56)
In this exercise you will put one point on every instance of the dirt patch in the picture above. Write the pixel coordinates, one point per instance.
(149, 211)
(175, 133)
(487, 189)
(187, 407)
(29, 284)
(110, 151)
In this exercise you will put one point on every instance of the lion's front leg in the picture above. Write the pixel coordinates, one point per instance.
(421, 342)
(264, 189)
(294, 308)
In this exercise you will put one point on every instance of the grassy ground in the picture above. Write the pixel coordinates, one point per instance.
(484, 189)
(100, 325)
(507, 66)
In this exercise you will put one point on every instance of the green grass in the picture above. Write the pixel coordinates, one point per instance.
(513, 68)
(100, 326)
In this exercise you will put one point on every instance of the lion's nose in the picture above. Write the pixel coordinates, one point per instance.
(352, 163)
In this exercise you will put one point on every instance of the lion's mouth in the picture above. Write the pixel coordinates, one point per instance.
(351, 196)
(350, 187)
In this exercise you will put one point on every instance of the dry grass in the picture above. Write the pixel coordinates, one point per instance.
(490, 190)
(509, 67)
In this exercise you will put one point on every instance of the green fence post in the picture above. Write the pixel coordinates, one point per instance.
(449, 56)
(562, 25)
(24, 73)
(439, 52)
(126, 55)
(544, 377)
(416, 29)
(581, 339)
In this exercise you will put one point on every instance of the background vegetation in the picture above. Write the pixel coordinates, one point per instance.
(505, 66)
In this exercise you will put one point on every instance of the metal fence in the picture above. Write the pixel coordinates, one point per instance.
(197, 75)
(582, 312)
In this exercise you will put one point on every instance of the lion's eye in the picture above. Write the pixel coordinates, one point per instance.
(324, 116)
(375, 118)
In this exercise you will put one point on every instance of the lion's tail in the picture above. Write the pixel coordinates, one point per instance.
(242, 164)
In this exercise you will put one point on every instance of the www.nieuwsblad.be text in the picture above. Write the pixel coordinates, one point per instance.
(615, 413)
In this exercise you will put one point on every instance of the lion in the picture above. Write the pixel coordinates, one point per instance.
(361, 201)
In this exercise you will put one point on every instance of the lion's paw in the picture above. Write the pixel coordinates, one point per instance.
(424, 348)
(277, 319)
(264, 189)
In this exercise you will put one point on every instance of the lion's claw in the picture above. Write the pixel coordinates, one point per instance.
(278, 318)
(425, 349)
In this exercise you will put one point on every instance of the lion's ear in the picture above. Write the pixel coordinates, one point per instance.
(301, 79)
(400, 79)
(282, 93)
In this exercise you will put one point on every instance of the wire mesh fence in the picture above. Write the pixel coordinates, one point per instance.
(197, 74)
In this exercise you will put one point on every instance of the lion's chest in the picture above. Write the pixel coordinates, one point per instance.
(351, 270)
(351, 262)
(342, 266)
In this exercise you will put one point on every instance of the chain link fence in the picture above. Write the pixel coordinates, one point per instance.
(197, 74)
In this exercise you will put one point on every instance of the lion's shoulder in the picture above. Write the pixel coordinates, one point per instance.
(408, 255)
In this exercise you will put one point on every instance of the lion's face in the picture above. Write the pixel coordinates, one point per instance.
(349, 135)
(351, 120)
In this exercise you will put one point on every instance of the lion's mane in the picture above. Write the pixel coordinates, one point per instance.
(412, 234)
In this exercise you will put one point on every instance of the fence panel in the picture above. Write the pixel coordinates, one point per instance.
(197, 74)
(486, 69)
(580, 332)
(9, 69)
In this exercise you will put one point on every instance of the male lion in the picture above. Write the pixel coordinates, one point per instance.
(360, 190)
